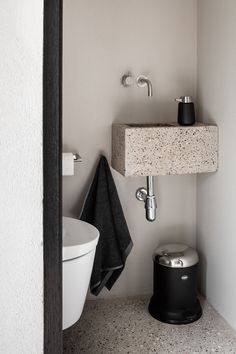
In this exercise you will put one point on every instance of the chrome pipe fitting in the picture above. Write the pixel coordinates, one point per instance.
(77, 158)
(150, 204)
(148, 197)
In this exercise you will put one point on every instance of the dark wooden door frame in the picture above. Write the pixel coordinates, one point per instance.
(52, 204)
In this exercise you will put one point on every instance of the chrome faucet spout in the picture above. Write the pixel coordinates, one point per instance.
(143, 81)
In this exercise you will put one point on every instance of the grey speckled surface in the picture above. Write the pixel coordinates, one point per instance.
(125, 326)
(165, 149)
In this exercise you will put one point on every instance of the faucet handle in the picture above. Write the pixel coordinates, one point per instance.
(127, 79)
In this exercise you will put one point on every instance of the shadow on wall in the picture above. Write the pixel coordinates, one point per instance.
(203, 113)
(173, 234)
(147, 110)
(76, 210)
(202, 273)
(202, 270)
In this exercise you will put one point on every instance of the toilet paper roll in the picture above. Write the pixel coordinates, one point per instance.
(67, 164)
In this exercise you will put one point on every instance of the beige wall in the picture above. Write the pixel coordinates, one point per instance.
(102, 40)
(216, 233)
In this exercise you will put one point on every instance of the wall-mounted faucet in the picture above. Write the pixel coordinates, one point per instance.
(143, 81)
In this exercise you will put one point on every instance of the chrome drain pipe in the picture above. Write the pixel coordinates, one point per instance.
(148, 197)
(150, 204)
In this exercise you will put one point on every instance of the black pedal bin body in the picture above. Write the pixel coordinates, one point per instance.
(175, 285)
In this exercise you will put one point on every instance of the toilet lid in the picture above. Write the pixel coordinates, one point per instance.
(79, 238)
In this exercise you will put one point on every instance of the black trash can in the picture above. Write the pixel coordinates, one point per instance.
(175, 285)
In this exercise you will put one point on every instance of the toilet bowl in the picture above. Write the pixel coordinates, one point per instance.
(79, 244)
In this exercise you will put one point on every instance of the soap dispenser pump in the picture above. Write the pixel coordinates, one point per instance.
(186, 113)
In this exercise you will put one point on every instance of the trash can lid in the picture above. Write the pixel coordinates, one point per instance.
(176, 255)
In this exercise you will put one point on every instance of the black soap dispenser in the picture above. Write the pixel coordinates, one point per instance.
(186, 113)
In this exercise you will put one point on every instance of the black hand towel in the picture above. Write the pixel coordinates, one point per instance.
(102, 209)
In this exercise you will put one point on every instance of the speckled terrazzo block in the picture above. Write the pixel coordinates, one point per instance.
(142, 150)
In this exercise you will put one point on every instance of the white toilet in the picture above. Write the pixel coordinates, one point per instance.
(79, 244)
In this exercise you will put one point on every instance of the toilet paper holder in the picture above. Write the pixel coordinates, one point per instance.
(77, 158)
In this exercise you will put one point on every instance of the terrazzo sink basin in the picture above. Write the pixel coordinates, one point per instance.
(150, 125)
(164, 149)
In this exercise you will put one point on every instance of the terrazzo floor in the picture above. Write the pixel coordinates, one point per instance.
(124, 326)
